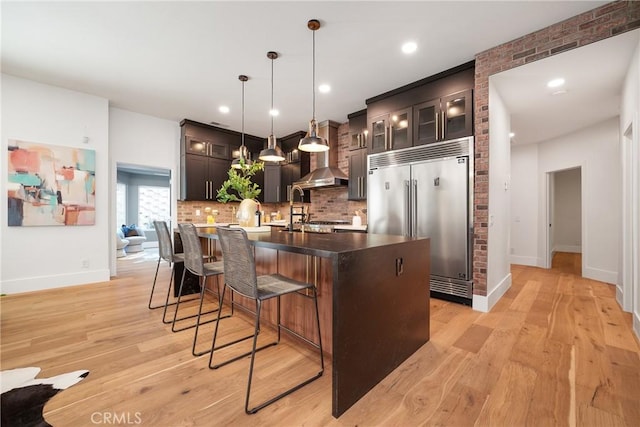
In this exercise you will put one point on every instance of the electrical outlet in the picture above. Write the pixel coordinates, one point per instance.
(197, 212)
(85, 263)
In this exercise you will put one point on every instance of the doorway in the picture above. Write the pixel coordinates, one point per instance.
(143, 194)
(564, 219)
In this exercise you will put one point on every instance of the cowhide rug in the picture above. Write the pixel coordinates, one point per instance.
(24, 396)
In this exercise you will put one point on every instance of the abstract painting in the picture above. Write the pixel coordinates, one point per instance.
(50, 184)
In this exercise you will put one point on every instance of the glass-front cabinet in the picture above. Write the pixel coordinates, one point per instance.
(203, 147)
(391, 131)
(458, 114)
(400, 129)
(444, 118)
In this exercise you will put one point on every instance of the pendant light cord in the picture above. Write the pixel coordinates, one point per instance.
(241, 151)
(271, 112)
(313, 73)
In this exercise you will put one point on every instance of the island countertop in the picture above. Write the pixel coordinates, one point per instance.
(326, 245)
(373, 299)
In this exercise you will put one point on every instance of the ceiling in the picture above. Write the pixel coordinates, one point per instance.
(594, 75)
(182, 59)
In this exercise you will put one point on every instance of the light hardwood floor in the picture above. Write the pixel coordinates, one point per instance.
(556, 350)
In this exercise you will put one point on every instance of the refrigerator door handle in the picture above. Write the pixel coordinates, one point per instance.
(407, 209)
(414, 208)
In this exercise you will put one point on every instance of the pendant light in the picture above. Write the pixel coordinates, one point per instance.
(312, 142)
(272, 153)
(244, 153)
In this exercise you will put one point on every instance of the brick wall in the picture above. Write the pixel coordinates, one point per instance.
(329, 203)
(597, 24)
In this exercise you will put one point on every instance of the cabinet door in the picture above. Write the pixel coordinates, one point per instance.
(219, 150)
(400, 132)
(196, 145)
(379, 135)
(195, 178)
(272, 183)
(458, 113)
(358, 175)
(358, 132)
(218, 173)
(426, 126)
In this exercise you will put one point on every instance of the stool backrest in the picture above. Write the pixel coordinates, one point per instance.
(239, 262)
(192, 248)
(165, 248)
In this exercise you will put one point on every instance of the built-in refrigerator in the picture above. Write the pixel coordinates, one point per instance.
(427, 191)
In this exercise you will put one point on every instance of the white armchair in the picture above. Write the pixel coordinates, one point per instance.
(136, 238)
(121, 243)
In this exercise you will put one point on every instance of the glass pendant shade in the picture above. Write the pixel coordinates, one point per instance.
(272, 153)
(312, 142)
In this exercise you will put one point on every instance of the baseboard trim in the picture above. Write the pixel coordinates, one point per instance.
(600, 275)
(620, 297)
(525, 260)
(30, 284)
(636, 324)
(485, 303)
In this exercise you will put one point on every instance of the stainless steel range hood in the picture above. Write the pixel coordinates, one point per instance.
(327, 173)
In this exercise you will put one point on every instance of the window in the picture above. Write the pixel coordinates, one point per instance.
(153, 204)
(121, 204)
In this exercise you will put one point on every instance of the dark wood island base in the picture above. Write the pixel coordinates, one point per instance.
(373, 299)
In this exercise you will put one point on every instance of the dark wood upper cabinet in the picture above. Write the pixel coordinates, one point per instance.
(202, 176)
(358, 130)
(206, 155)
(271, 189)
(279, 177)
(444, 118)
(391, 131)
(436, 108)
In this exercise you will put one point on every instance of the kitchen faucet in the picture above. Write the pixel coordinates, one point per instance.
(291, 214)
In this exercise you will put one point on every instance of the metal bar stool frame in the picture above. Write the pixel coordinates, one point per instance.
(194, 262)
(165, 252)
(241, 277)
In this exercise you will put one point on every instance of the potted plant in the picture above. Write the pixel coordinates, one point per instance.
(239, 188)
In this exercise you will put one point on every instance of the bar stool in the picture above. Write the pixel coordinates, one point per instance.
(194, 262)
(240, 276)
(165, 252)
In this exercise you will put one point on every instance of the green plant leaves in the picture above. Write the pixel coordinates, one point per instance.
(239, 185)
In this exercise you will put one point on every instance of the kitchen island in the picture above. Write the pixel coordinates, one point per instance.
(373, 297)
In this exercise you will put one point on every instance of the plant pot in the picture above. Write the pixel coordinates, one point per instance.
(246, 214)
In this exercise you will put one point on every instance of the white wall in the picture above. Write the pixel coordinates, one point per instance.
(139, 139)
(629, 289)
(567, 217)
(596, 151)
(35, 258)
(498, 265)
(524, 205)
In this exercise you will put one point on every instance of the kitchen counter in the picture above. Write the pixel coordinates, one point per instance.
(326, 245)
(373, 298)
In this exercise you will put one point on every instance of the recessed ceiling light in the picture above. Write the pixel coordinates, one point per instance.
(274, 112)
(555, 82)
(511, 134)
(324, 88)
(223, 109)
(409, 47)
